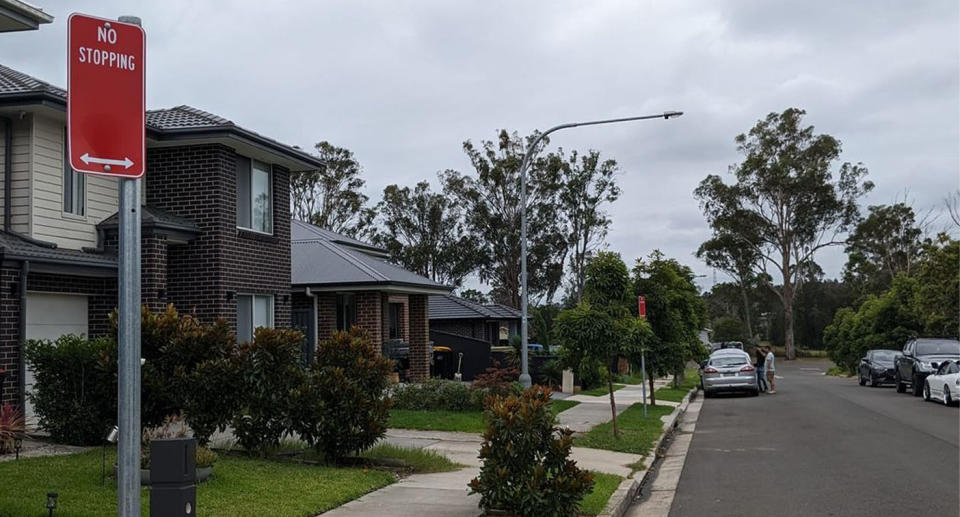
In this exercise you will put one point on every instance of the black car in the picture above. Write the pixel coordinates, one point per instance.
(920, 358)
(877, 367)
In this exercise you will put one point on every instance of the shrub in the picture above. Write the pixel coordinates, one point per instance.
(75, 389)
(11, 427)
(436, 394)
(268, 373)
(341, 407)
(496, 380)
(527, 468)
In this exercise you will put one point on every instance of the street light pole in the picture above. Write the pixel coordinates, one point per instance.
(531, 149)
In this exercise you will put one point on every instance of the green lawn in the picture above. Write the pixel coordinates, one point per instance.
(557, 406)
(691, 379)
(603, 487)
(601, 390)
(421, 461)
(239, 487)
(637, 433)
(443, 420)
(436, 420)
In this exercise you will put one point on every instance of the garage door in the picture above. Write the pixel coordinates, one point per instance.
(50, 316)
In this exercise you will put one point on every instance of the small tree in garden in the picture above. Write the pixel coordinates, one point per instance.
(341, 407)
(527, 468)
(586, 333)
(269, 373)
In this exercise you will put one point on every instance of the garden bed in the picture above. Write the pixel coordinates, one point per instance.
(469, 421)
(241, 487)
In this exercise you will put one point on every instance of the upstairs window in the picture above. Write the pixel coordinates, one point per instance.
(254, 196)
(253, 312)
(74, 185)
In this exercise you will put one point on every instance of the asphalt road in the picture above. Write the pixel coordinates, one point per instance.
(821, 446)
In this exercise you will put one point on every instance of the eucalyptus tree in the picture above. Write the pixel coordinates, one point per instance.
(331, 197)
(790, 196)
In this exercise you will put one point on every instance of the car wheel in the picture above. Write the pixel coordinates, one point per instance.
(901, 387)
(861, 380)
(926, 391)
(755, 393)
(707, 394)
(916, 388)
(946, 396)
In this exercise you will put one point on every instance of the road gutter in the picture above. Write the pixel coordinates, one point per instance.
(629, 488)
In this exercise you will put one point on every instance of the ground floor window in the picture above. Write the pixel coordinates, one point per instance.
(395, 310)
(253, 311)
(346, 311)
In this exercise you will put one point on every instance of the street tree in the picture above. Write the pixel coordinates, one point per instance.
(726, 252)
(787, 194)
(331, 197)
(587, 184)
(675, 312)
(887, 242)
(491, 201)
(425, 233)
(474, 295)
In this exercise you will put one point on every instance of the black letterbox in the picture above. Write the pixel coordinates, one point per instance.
(173, 478)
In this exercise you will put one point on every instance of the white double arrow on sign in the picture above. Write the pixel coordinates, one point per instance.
(125, 162)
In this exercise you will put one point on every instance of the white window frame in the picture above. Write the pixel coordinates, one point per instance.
(78, 187)
(241, 333)
(262, 167)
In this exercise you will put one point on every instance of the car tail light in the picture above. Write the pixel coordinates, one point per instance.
(710, 369)
(747, 368)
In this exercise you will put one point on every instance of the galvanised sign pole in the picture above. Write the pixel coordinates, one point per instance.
(106, 111)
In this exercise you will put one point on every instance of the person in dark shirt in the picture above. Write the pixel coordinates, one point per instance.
(759, 360)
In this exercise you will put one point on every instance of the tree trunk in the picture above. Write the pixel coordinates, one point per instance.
(653, 397)
(746, 311)
(788, 321)
(613, 406)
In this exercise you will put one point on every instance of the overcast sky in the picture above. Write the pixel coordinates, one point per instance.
(403, 84)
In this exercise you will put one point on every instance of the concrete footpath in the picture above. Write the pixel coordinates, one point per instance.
(445, 494)
(596, 410)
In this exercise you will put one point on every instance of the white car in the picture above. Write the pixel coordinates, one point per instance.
(944, 384)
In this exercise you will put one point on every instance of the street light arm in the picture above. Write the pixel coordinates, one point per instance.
(525, 374)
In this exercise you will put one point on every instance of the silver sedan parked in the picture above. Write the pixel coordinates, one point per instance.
(728, 370)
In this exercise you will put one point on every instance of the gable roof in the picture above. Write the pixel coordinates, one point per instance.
(175, 123)
(324, 259)
(450, 307)
(21, 16)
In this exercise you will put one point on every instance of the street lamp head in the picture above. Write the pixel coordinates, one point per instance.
(671, 114)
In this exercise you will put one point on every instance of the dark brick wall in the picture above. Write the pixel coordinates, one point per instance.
(101, 299)
(370, 315)
(199, 182)
(153, 271)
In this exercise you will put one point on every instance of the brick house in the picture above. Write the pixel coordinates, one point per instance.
(215, 225)
(339, 282)
(493, 323)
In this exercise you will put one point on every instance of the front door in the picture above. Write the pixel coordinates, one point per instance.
(302, 320)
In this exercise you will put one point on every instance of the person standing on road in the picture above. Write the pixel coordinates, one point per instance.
(771, 370)
(759, 360)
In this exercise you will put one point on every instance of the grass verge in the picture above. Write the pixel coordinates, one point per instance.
(603, 487)
(558, 406)
(690, 379)
(421, 461)
(436, 420)
(637, 433)
(836, 371)
(601, 390)
(239, 487)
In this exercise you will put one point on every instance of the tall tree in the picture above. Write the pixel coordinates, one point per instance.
(491, 200)
(887, 242)
(675, 312)
(725, 251)
(786, 193)
(424, 231)
(587, 183)
(331, 197)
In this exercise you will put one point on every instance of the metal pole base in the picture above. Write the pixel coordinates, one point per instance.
(525, 380)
